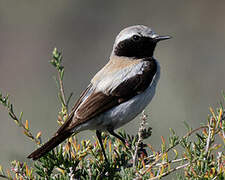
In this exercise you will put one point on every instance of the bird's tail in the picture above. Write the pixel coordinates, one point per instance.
(57, 139)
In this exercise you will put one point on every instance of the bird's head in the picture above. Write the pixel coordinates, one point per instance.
(136, 42)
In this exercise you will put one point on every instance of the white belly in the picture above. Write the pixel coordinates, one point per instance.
(123, 113)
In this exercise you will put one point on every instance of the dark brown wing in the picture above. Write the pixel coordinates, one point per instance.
(99, 102)
(68, 122)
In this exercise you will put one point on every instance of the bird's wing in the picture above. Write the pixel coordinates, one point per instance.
(115, 92)
(79, 101)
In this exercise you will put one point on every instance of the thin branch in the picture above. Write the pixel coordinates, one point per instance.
(6, 103)
(165, 163)
(5, 177)
(68, 100)
(140, 139)
(223, 133)
(171, 161)
(209, 136)
(28, 133)
(62, 92)
(193, 131)
(170, 171)
(215, 177)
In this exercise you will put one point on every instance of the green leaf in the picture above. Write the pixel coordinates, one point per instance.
(20, 117)
(53, 62)
(68, 100)
(62, 74)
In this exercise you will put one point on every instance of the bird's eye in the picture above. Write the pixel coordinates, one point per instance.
(136, 37)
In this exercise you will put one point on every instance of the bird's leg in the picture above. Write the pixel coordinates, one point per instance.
(117, 136)
(98, 134)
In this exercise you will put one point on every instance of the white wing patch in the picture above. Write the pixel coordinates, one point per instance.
(112, 81)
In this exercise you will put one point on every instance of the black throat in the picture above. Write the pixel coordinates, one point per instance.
(142, 48)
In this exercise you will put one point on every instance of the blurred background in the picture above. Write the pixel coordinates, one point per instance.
(192, 62)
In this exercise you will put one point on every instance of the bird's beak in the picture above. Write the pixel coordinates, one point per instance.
(161, 38)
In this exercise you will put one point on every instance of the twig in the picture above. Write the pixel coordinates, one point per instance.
(6, 103)
(165, 163)
(3, 176)
(68, 100)
(219, 160)
(170, 171)
(209, 136)
(158, 172)
(62, 92)
(171, 161)
(223, 133)
(193, 131)
(57, 63)
(140, 139)
(28, 133)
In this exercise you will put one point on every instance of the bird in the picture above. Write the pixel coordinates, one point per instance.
(118, 92)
